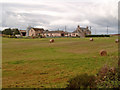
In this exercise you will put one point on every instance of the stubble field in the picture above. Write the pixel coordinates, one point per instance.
(36, 63)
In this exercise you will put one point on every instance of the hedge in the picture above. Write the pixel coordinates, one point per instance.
(97, 36)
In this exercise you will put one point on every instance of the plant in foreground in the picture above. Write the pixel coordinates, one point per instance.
(106, 78)
(82, 81)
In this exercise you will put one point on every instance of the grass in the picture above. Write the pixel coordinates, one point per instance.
(36, 63)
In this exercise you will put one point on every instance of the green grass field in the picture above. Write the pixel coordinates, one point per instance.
(30, 63)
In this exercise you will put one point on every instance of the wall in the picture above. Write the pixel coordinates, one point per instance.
(32, 32)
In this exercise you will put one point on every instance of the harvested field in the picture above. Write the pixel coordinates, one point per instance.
(29, 63)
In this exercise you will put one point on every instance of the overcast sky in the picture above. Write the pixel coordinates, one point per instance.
(54, 14)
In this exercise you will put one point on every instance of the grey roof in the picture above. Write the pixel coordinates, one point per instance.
(74, 31)
(38, 29)
(82, 28)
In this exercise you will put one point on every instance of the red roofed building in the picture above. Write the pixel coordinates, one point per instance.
(22, 32)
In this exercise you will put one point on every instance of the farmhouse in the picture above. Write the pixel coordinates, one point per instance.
(35, 31)
(41, 31)
(54, 33)
(80, 31)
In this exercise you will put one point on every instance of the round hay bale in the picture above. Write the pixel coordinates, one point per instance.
(103, 53)
(117, 40)
(91, 39)
(52, 40)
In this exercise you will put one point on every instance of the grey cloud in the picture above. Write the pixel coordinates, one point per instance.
(105, 21)
(31, 7)
(75, 12)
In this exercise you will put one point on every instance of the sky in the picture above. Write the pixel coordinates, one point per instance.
(56, 14)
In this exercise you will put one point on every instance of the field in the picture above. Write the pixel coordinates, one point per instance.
(30, 63)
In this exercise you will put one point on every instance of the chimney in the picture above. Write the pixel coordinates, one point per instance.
(87, 27)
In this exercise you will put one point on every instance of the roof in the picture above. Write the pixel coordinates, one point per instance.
(38, 29)
(22, 30)
(82, 28)
(54, 31)
(74, 31)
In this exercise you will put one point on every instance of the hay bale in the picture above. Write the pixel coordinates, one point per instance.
(103, 53)
(117, 40)
(91, 39)
(52, 40)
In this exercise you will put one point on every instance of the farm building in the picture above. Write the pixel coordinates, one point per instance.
(80, 31)
(41, 31)
(58, 33)
(35, 31)
(54, 33)
(22, 32)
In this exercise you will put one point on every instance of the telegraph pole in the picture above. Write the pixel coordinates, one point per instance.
(66, 31)
(95, 31)
(107, 30)
(90, 28)
(65, 28)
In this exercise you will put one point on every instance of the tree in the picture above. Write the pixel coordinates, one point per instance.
(15, 31)
(7, 31)
(10, 31)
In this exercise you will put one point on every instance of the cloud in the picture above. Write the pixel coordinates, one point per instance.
(54, 14)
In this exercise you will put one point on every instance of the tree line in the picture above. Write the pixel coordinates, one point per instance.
(10, 31)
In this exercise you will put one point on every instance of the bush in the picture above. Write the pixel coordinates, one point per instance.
(7, 31)
(7, 36)
(108, 77)
(97, 36)
(82, 81)
(12, 37)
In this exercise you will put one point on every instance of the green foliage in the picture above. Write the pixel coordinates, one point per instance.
(7, 31)
(10, 31)
(108, 77)
(97, 36)
(82, 81)
(15, 31)
(7, 36)
(12, 36)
